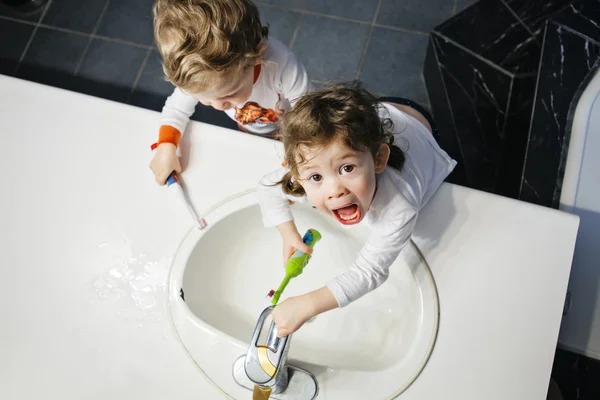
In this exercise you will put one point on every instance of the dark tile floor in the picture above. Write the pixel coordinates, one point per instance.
(104, 48)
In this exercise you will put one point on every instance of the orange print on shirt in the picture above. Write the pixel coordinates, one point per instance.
(253, 112)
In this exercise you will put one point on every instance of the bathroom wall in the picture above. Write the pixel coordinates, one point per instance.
(481, 74)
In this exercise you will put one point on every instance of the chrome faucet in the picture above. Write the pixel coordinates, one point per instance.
(266, 365)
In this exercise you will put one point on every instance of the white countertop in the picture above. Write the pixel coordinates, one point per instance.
(79, 203)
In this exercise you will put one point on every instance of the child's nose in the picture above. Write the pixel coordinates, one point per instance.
(336, 189)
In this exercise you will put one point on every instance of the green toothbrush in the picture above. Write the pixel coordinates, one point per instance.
(296, 264)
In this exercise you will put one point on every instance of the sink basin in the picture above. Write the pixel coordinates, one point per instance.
(226, 270)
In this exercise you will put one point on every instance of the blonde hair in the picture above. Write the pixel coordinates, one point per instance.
(205, 42)
(343, 111)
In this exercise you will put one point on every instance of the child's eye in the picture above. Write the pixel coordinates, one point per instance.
(347, 168)
(315, 178)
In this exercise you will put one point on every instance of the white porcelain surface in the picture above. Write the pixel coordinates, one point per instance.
(87, 239)
(580, 329)
(375, 347)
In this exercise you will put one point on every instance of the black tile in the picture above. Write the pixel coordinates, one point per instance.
(152, 88)
(525, 56)
(566, 62)
(416, 15)
(504, 42)
(576, 375)
(516, 135)
(534, 13)
(110, 69)
(442, 114)
(128, 20)
(294, 4)
(25, 15)
(393, 64)
(330, 49)
(74, 14)
(52, 57)
(582, 17)
(478, 97)
(13, 38)
(362, 10)
(282, 24)
(320, 84)
(461, 5)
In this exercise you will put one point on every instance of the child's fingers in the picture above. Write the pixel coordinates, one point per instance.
(161, 179)
(177, 166)
(304, 248)
(287, 253)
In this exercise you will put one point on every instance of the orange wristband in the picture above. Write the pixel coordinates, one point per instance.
(169, 134)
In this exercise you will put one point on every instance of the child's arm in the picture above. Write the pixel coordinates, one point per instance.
(293, 312)
(274, 204)
(173, 120)
(371, 267)
(275, 210)
(177, 111)
(368, 272)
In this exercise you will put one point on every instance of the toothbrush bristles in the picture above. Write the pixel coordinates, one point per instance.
(271, 293)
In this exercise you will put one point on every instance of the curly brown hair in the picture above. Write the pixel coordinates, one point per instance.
(343, 111)
(205, 42)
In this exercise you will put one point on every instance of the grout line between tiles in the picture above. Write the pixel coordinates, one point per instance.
(121, 41)
(397, 28)
(361, 61)
(472, 53)
(308, 12)
(91, 38)
(295, 34)
(535, 98)
(35, 29)
(514, 14)
(139, 74)
(454, 7)
(577, 33)
(22, 21)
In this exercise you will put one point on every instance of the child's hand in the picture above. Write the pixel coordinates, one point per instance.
(292, 240)
(164, 162)
(291, 314)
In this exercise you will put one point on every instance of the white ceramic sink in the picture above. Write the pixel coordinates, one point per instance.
(227, 269)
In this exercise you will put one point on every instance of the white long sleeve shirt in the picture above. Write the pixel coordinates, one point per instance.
(399, 197)
(282, 80)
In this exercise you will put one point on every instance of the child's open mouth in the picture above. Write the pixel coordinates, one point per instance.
(348, 215)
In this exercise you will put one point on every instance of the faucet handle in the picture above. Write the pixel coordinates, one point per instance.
(264, 361)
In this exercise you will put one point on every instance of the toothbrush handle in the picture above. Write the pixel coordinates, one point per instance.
(173, 184)
(280, 289)
(172, 179)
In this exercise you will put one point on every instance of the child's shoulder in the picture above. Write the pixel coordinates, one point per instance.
(276, 51)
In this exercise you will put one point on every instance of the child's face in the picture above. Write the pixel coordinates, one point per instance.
(233, 93)
(340, 181)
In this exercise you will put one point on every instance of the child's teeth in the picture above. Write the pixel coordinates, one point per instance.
(348, 217)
